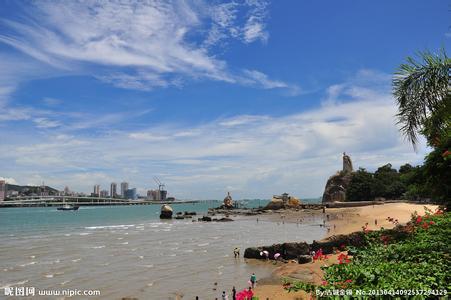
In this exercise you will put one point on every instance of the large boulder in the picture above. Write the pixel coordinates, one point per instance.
(283, 201)
(275, 204)
(166, 212)
(336, 186)
(303, 259)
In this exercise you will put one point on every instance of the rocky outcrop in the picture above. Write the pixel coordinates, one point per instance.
(282, 202)
(355, 239)
(166, 212)
(224, 220)
(302, 250)
(275, 204)
(286, 250)
(336, 186)
(228, 202)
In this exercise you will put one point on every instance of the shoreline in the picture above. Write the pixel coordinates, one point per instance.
(338, 221)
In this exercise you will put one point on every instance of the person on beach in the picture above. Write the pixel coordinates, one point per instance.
(375, 222)
(236, 252)
(233, 293)
(224, 296)
(253, 280)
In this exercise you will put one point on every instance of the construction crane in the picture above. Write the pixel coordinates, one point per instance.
(160, 185)
(161, 191)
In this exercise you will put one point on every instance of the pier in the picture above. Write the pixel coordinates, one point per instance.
(43, 201)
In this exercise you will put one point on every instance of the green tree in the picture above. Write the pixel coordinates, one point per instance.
(360, 186)
(421, 89)
(387, 183)
(422, 95)
(405, 169)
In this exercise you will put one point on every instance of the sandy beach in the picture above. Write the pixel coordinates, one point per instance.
(346, 220)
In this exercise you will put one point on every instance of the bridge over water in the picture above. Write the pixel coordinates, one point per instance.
(29, 201)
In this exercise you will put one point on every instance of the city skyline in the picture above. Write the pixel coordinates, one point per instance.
(255, 97)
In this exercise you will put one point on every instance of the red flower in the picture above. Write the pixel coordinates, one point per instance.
(425, 225)
(431, 223)
(348, 280)
(324, 282)
(419, 219)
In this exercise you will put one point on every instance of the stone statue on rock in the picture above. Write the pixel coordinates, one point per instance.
(228, 202)
(347, 163)
(335, 190)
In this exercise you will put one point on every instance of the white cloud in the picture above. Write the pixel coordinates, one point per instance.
(46, 123)
(255, 24)
(140, 45)
(9, 180)
(257, 155)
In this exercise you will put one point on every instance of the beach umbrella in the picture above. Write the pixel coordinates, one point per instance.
(276, 256)
(261, 253)
(266, 253)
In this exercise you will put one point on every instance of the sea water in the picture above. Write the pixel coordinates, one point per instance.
(128, 251)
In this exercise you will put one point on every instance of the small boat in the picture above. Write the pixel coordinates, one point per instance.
(68, 207)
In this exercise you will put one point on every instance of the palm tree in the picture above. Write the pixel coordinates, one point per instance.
(421, 89)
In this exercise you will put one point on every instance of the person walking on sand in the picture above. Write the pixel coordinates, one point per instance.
(224, 296)
(233, 293)
(253, 280)
(236, 252)
(375, 222)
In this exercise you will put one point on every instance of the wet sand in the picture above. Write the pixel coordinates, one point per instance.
(346, 220)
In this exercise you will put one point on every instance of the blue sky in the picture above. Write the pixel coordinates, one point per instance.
(252, 97)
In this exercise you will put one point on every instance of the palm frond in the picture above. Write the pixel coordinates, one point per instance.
(420, 88)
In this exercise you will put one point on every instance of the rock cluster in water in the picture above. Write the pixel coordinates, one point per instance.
(282, 202)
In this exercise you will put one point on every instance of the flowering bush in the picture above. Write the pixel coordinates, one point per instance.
(416, 256)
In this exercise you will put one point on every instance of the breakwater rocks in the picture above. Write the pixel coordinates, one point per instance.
(262, 210)
(302, 250)
(286, 251)
(210, 219)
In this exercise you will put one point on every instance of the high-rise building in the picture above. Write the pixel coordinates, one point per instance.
(124, 188)
(103, 193)
(113, 190)
(2, 190)
(153, 195)
(66, 191)
(131, 194)
(96, 190)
